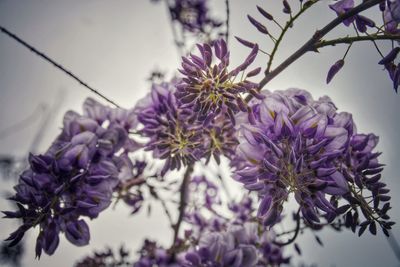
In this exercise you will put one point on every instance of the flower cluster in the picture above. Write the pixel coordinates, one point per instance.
(218, 241)
(171, 137)
(303, 146)
(237, 245)
(75, 177)
(211, 89)
(174, 136)
(231, 237)
(193, 15)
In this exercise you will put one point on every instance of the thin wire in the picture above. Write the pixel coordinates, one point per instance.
(55, 64)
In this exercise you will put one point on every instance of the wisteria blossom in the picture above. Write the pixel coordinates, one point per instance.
(75, 178)
(209, 89)
(304, 147)
(174, 136)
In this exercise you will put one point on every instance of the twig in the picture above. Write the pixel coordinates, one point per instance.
(154, 193)
(349, 40)
(183, 201)
(227, 8)
(309, 45)
(178, 43)
(288, 25)
(55, 64)
(296, 232)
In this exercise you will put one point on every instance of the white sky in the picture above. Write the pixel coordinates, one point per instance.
(113, 45)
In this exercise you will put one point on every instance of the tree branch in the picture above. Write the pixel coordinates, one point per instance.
(183, 200)
(55, 64)
(309, 45)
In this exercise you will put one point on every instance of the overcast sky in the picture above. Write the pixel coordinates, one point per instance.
(114, 45)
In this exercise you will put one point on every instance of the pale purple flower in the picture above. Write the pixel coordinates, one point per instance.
(341, 7)
(211, 89)
(75, 177)
(170, 136)
(305, 147)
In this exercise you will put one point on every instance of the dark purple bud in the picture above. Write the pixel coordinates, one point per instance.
(265, 13)
(51, 238)
(265, 205)
(372, 228)
(362, 229)
(245, 43)
(362, 23)
(390, 57)
(334, 70)
(286, 7)
(382, 6)
(39, 245)
(261, 28)
(271, 217)
(373, 171)
(77, 232)
(254, 72)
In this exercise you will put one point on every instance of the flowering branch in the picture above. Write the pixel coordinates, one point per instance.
(288, 25)
(310, 44)
(55, 64)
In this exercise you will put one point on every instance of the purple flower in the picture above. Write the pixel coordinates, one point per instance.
(174, 136)
(391, 24)
(75, 177)
(394, 8)
(171, 137)
(341, 7)
(334, 70)
(210, 90)
(303, 146)
(235, 245)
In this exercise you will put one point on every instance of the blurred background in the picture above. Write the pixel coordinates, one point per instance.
(115, 45)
